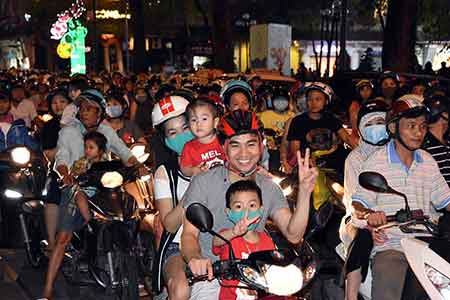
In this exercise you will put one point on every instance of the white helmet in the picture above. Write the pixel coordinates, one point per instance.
(412, 97)
(319, 86)
(168, 108)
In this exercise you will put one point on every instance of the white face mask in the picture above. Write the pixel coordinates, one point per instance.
(280, 104)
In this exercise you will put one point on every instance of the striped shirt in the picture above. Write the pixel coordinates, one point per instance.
(440, 152)
(422, 183)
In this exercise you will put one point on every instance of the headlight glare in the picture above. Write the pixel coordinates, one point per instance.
(12, 194)
(21, 155)
(111, 180)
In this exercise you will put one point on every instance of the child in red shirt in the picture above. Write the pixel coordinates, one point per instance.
(244, 209)
(205, 150)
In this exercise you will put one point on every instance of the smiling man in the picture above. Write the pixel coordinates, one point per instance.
(240, 133)
(411, 171)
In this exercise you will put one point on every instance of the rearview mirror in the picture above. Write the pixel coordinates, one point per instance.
(200, 216)
(374, 181)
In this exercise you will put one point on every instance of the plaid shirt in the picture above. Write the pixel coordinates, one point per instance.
(422, 183)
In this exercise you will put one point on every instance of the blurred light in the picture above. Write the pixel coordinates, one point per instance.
(12, 194)
(111, 14)
(27, 17)
(147, 44)
(107, 36)
(131, 43)
(169, 45)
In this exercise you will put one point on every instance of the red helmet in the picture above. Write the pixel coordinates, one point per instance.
(239, 122)
(407, 106)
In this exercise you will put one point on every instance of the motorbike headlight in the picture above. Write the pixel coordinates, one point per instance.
(277, 179)
(339, 189)
(138, 151)
(46, 117)
(276, 279)
(12, 194)
(439, 280)
(111, 180)
(20, 155)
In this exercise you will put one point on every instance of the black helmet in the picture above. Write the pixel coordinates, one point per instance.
(280, 92)
(389, 74)
(437, 105)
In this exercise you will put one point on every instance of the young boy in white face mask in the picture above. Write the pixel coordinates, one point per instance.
(275, 120)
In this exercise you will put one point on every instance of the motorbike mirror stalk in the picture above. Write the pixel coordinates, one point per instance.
(376, 182)
(200, 216)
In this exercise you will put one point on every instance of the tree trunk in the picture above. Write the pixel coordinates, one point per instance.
(222, 35)
(140, 62)
(400, 35)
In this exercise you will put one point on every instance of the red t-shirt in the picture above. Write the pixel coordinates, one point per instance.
(194, 153)
(241, 249)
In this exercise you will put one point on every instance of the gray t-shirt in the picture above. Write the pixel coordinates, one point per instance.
(209, 189)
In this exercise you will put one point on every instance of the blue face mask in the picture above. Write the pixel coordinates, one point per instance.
(375, 133)
(236, 216)
(177, 143)
(114, 111)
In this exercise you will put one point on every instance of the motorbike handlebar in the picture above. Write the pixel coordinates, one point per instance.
(220, 270)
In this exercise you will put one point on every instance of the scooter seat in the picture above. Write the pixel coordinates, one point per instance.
(33, 207)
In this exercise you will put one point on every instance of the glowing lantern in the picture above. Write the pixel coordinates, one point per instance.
(64, 50)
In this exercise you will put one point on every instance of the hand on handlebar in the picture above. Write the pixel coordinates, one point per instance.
(378, 236)
(68, 180)
(377, 218)
(201, 266)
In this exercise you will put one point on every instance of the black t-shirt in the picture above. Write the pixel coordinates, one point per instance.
(303, 128)
(50, 133)
(144, 115)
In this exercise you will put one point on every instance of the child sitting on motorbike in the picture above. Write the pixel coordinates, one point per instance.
(94, 151)
(244, 209)
(204, 150)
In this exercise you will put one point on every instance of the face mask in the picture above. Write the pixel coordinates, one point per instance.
(236, 216)
(375, 133)
(389, 92)
(280, 104)
(141, 99)
(177, 143)
(114, 111)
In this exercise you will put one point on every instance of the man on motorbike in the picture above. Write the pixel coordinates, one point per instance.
(411, 171)
(241, 136)
(371, 124)
(70, 148)
(13, 131)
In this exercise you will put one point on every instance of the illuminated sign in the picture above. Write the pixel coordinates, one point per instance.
(111, 14)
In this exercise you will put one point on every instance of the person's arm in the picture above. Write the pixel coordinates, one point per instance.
(239, 229)
(118, 146)
(345, 137)
(293, 226)
(284, 147)
(440, 193)
(133, 110)
(170, 217)
(191, 251)
(353, 111)
(192, 171)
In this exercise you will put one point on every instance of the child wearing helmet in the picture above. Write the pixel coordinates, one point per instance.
(318, 96)
(237, 94)
(274, 121)
(364, 89)
(204, 151)
(116, 109)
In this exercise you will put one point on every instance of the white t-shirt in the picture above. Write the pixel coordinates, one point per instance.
(162, 190)
(25, 111)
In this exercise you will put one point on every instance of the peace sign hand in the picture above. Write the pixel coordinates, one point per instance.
(306, 175)
(241, 227)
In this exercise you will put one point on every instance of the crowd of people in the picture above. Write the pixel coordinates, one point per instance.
(217, 142)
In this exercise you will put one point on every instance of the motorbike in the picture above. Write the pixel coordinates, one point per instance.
(408, 222)
(328, 156)
(263, 271)
(23, 182)
(112, 248)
